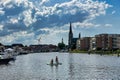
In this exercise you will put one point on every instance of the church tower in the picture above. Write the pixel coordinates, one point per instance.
(70, 37)
(62, 41)
(79, 36)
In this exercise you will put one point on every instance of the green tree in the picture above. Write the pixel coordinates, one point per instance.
(61, 45)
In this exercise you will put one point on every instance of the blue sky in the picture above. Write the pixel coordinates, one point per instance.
(26, 21)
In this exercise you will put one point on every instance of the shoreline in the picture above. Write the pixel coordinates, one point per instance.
(97, 52)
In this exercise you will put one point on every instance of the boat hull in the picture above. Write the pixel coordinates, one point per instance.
(6, 61)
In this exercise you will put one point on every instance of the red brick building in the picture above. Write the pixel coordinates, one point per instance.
(101, 41)
(107, 41)
(85, 43)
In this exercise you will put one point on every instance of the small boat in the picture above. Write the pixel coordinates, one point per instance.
(6, 56)
(6, 61)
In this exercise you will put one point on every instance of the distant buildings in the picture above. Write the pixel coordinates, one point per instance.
(107, 41)
(98, 42)
(92, 43)
(43, 48)
(1, 47)
(32, 48)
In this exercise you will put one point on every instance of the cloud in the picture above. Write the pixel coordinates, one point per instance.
(85, 25)
(89, 25)
(54, 35)
(113, 12)
(18, 37)
(43, 17)
(74, 11)
(28, 18)
(1, 27)
(43, 2)
(13, 20)
(108, 25)
(2, 12)
(54, 30)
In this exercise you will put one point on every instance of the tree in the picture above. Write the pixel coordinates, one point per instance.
(61, 45)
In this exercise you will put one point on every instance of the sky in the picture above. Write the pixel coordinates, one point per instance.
(47, 21)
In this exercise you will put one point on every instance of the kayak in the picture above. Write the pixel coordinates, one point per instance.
(55, 64)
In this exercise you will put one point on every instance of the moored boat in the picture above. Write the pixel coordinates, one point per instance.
(6, 56)
(6, 60)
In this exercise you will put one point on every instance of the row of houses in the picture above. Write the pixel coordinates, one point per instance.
(43, 48)
(16, 47)
(30, 48)
(99, 42)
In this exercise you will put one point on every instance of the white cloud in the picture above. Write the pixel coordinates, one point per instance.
(1, 27)
(28, 4)
(97, 25)
(89, 25)
(54, 36)
(73, 7)
(28, 17)
(19, 2)
(54, 30)
(11, 3)
(2, 12)
(94, 8)
(22, 36)
(85, 25)
(7, 39)
(108, 25)
(113, 12)
(13, 20)
(43, 1)
(5, 2)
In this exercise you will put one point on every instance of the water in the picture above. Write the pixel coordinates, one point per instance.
(74, 67)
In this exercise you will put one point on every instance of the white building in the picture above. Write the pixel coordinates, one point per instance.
(92, 43)
(78, 44)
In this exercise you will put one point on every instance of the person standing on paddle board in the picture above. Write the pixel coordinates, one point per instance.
(56, 60)
(51, 62)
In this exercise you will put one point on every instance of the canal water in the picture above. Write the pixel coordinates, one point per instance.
(74, 67)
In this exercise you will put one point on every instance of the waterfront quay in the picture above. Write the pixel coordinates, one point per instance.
(74, 67)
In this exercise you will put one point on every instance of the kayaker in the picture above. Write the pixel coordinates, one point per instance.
(56, 60)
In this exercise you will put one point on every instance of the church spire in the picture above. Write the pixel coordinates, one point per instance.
(70, 27)
(70, 37)
(62, 41)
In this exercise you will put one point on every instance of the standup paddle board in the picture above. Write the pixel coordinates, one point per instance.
(55, 64)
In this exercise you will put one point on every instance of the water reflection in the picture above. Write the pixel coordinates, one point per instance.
(71, 66)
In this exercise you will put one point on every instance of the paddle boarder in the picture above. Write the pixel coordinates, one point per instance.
(56, 59)
(51, 62)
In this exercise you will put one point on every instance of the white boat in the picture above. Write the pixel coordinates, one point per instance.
(7, 55)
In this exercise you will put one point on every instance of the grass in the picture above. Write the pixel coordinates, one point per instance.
(78, 51)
